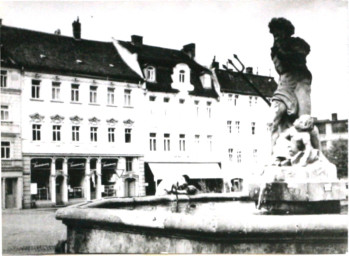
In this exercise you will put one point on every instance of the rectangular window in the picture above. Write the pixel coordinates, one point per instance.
(237, 126)
(152, 141)
(127, 135)
(181, 101)
(230, 97)
(166, 99)
(5, 150)
(4, 113)
(3, 81)
(150, 74)
(56, 133)
(75, 92)
(197, 140)
(36, 89)
(111, 96)
(167, 142)
(255, 155)
(93, 133)
(230, 154)
(250, 101)
(208, 109)
(152, 98)
(129, 166)
(238, 156)
(236, 100)
(322, 128)
(56, 90)
(75, 133)
(229, 126)
(197, 107)
(340, 127)
(181, 142)
(127, 97)
(255, 100)
(93, 94)
(36, 132)
(111, 134)
(210, 143)
(181, 76)
(253, 127)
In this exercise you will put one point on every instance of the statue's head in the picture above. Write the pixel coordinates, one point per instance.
(304, 123)
(281, 28)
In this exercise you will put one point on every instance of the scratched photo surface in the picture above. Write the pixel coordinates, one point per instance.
(173, 100)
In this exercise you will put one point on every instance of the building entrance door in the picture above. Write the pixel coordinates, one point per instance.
(10, 193)
(130, 187)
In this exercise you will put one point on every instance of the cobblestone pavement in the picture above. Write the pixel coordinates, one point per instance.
(34, 231)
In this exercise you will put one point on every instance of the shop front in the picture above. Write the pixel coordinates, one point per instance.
(109, 177)
(40, 180)
(207, 177)
(61, 180)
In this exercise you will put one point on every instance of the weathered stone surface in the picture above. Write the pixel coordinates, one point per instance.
(100, 230)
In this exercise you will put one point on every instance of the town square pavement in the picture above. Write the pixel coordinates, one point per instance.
(34, 231)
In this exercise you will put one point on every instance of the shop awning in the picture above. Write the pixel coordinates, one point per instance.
(193, 170)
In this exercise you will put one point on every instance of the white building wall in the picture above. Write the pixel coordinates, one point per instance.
(245, 112)
(47, 108)
(12, 167)
(177, 118)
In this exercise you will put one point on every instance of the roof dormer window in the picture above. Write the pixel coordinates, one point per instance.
(181, 76)
(150, 74)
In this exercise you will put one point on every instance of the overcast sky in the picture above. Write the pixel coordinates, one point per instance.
(218, 28)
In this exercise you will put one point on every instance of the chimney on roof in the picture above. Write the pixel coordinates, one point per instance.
(249, 70)
(77, 29)
(334, 117)
(136, 40)
(189, 49)
(58, 32)
(215, 64)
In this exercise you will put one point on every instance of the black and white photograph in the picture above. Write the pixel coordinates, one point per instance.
(174, 127)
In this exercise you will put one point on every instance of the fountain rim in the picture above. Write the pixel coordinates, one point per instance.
(294, 225)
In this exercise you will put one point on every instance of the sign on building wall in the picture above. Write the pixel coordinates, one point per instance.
(33, 188)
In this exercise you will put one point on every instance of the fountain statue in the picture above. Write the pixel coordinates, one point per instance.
(296, 151)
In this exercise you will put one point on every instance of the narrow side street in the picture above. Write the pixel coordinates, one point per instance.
(31, 231)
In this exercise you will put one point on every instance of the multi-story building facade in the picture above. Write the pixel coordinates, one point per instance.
(80, 133)
(332, 130)
(87, 119)
(245, 136)
(180, 114)
(11, 152)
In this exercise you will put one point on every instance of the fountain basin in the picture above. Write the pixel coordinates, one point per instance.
(204, 223)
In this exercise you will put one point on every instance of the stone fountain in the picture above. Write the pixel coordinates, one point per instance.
(297, 195)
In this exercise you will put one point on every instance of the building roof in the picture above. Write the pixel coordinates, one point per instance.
(51, 53)
(328, 121)
(234, 83)
(164, 60)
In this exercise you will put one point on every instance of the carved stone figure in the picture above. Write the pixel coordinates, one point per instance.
(292, 97)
